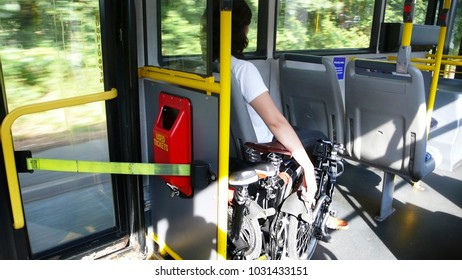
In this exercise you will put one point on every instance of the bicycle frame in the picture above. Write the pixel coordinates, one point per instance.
(276, 179)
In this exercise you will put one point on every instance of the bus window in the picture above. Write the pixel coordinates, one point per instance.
(456, 36)
(394, 11)
(252, 35)
(182, 44)
(314, 25)
(180, 31)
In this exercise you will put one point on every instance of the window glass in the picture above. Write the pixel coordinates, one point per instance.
(316, 25)
(394, 11)
(180, 35)
(51, 50)
(456, 36)
(455, 43)
(182, 44)
(253, 28)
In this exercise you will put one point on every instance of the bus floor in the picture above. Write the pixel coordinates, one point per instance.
(426, 223)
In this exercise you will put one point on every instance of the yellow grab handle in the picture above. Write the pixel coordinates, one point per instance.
(8, 149)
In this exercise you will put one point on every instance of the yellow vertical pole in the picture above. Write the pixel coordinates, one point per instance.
(224, 124)
(437, 66)
(407, 34)
(404, 53)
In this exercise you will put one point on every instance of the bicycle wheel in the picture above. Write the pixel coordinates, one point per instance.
(301, 239)
(251, 234)
(278, 237)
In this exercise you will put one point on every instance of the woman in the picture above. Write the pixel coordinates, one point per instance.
(268, 122)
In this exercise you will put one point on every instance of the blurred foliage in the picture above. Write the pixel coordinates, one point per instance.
(324, 24)
(333, 24)
(180, 26)
(48, 47)
(455, 41)
(51, 50)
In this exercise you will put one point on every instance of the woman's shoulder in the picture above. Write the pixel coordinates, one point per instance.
(242, 65)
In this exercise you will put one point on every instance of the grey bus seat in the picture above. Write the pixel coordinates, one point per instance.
(242, 130)
(386, 122)
(311, 96)
(241, 126)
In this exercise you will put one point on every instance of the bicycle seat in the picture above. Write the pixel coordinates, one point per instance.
(269, 147)
(262, 168)
(243, 178)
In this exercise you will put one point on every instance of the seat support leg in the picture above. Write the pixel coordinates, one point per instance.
(388, 187)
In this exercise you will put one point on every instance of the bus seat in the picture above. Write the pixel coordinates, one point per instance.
(386, 122)
(241, 126)
(423, 38)
(311, 96)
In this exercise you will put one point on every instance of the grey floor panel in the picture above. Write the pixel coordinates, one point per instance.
(426, 223)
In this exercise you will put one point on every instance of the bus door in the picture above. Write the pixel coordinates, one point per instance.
(52, 50)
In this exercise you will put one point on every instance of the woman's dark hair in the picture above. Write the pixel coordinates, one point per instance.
(241, 18)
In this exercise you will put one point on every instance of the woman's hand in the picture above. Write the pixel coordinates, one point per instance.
(309, 188)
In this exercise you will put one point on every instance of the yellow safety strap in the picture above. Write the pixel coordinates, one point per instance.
(128, 168)
(8, 149)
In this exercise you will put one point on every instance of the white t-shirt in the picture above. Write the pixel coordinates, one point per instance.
(246, 80)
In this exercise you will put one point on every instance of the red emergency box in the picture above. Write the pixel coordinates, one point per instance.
(172, 137)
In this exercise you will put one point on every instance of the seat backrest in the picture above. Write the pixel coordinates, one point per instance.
(241, 126)
(386, 118)
(311, 96)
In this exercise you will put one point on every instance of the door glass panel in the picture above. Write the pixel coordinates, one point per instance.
(51, 50)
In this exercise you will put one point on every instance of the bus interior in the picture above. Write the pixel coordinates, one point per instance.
(99, 82)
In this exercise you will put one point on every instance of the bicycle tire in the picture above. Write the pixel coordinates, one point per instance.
(301, 239)
(250, 233)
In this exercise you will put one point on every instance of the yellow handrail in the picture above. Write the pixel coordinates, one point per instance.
(224, 134)
(435, 77)
(406, 42)
(8, 149)
(165, 249)
(190, 80)
(418, 60)
(407, 34)
(446, 56)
